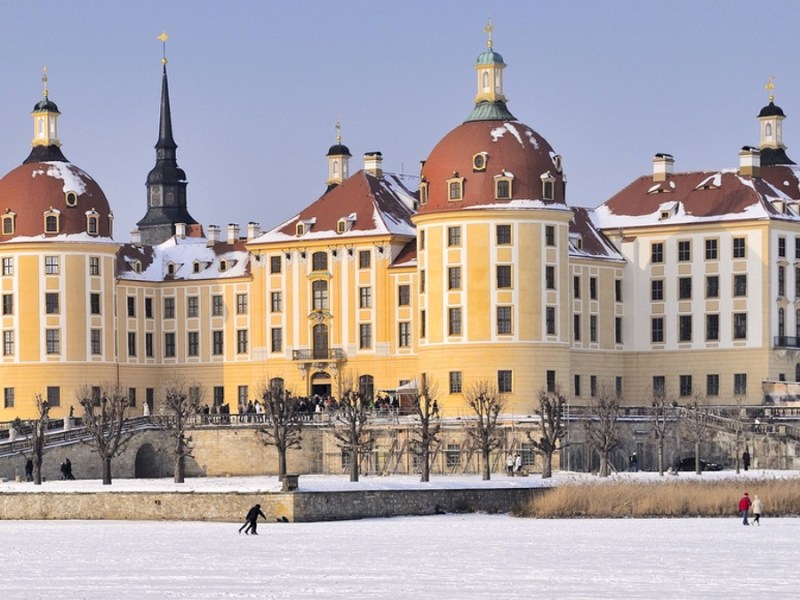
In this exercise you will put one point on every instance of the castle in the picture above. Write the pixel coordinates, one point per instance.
(478, 270)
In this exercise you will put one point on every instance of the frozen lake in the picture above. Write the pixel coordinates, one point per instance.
(438, 557)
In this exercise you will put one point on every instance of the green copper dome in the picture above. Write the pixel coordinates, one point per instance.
(489, 57)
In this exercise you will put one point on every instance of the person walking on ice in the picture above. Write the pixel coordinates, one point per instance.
(756, 510)
(744, 508)
(251, 520)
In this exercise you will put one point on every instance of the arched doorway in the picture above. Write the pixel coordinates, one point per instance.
(321, 384)
(148, 463)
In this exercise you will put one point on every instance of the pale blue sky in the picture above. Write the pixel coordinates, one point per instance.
(257, 86)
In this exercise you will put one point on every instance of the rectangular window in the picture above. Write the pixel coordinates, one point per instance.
(169, 345)
(274, 264)
(550, 235)
(192, 306)
(618, 290)
(593, 328)
(454, 236)
(52, 341)
(276, 339)
(550, 320)
(169, 308)
(96, 341)
(148, 308)
(712, 328)
(738, 247)
(365, 335)
(550, 378)
(365, 297)
(364, 259)
(94, 265)
(504, 383)
(219, 395)
(421, 239)
(503, 235)
(684, 288)
(8, 304)
(685, 328)
(217, 306)
(576, 286)
(659, 385)
(454, 320)
(618, 330)
(740, 285)
(131, 343)
(8, 343)
(711, 249)
(593, 288)
(241, 341)
(193, 343)
(657, 252)
(404, 334)
(504, 320)
(593, 386)
(53, 395)
(576, 327)
(657, 289)
(455, 382)
(618, 386)
(217, 342)
(276, 302)
(422, 316)
(453, 278)
(782, 247)
(577, 385)
(503, 276)
(797, 248)
(685, 385)
(782, 281)
(94, 304)
(684, 251)
(797, 282)
(740, 384)
(131, 396)
(8, 265)
(241, 304)
(422, 281)
(51, 265)
(403, 295)
(740, 326)
(131, 306)
(242, 394)
(657, 330)
(712, 384)
(550, 277)
(712, 286)
(8, 397)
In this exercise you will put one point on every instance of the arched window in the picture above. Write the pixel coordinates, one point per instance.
(51, 221)
(366, 386)
(455, 187)
(320, 293)
(319, 261)
(547, 185)
(768, 131)
(486, 80)
(9, 220)
(502, 186)
(423, 193)
(336, 167)
(92, 222)
(277, 385)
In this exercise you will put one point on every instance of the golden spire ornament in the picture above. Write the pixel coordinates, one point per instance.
(44, 80)
(338, 132)
(163, 38)
(489, 29)
(770, 87)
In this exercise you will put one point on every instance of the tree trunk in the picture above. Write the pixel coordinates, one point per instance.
(180, 468)
(486, 473)
(603, 464)
(37, 474)
(282, 470)
(353, 466)
(426, 469)
(661, 456)
(697, 468)
(106, 471)
(547, 465)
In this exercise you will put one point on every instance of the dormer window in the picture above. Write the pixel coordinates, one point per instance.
(71, 198)
(136, 266)
(547, 185)
(455, 187)
(341, 226)
(196, 266)
(557, 162)
(9, 222)
(502, 186)
(170, 269)
(51, 221)
(423, 193)
(300, 229)
(92, 224)
(479, 161)
(223, 265)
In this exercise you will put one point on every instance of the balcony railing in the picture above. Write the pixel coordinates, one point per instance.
(786, 341)
(310, 354)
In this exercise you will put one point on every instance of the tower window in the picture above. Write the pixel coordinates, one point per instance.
(300, 229)
(8, 223)
(92, 224)
(51, 222)
(547, 185)
(479, 162)
(423, 193)
(456, 188)
(502, 187)
(71, 198)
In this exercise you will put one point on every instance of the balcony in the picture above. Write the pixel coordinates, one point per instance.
(785, 341)
(319, 355)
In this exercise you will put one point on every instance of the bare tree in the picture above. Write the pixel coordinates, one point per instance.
(663, 410)
(181, 405)
(487, 404)
(696, 423)
(550, 412)
(35, 442)
(104, 419)
(739, 421)
(350, 422)
(284, 425)
(602, 427)
(428, 425)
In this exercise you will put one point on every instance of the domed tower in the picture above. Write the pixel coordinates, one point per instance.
(773, 150)
(166, 182)
(492, 246)
(338, 161)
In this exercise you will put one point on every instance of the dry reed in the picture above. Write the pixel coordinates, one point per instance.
(663, 498)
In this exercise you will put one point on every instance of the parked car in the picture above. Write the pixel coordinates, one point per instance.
(688, 464)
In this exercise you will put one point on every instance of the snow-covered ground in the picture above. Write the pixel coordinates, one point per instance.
(496, 557)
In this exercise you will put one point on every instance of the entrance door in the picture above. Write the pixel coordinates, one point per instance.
(321, 341)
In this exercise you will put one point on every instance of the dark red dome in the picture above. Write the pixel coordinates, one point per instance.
(510, 148)
(60, 188)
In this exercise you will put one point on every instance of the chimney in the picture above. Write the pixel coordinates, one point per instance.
(253, 230)
(662, 166)
(136, 236)
(233, 233)
(750, 162)
(213, 235)
(373, 163)
(180, 230)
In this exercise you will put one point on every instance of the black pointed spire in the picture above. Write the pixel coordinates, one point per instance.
(165, 139)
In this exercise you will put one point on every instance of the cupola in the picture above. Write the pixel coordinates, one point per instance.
(338, 161)
(773, 150)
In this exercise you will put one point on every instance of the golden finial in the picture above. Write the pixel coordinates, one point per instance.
(770, 87)
(44, 80)
(489, 29)
(163, 37)
(338, 132)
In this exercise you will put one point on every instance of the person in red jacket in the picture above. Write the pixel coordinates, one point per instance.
(744, 508)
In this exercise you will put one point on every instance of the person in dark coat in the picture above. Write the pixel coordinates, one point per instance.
(746, 459)
(66, 469)
(251, 520)
(29, 470)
